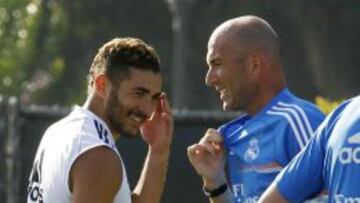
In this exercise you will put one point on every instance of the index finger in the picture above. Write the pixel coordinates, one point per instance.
(164, 103)
(159, 104)
(211, 135)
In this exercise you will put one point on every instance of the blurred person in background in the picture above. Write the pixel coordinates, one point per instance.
(331, 160)
(238, 161)
(77, 160)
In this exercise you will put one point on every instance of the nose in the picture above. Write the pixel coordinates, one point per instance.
(148, 107)
(210, 78)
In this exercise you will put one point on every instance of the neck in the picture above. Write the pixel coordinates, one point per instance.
(96, 106)
(264, 96)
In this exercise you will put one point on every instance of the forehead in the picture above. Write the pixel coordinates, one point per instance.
(144, 79)
(220, 46)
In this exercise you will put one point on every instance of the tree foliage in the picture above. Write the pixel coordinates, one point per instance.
(31, 35)
(46, 46)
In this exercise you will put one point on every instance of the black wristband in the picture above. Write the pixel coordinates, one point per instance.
(215, 192)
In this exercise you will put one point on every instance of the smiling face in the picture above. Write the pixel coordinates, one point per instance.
(229, 73)
(130, 104)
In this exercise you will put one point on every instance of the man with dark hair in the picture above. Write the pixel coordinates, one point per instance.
(77, 160)
(245, 68)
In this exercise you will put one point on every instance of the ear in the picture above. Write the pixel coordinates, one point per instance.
(101, 84)
(256, 64)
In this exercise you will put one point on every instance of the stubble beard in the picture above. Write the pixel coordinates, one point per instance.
(113, 110)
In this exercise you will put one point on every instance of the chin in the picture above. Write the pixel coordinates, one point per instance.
(226, 106)
(127, 132)
(229, 107)
(132, 133)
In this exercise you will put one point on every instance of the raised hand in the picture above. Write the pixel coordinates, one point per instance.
(158, 130)
(208, 157)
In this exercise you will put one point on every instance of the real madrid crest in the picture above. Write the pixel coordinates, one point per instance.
(253, 150)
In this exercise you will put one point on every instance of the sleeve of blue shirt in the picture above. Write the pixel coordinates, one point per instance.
(305, 171)
(292, 141)
(302, 178)
(291, 145)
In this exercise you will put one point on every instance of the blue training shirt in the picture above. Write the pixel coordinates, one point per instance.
(259, 147)
(330, 161)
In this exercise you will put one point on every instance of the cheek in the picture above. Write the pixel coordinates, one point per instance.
(230, 75)
(127, 108)
(116, 105)
(220, 73)
(238, 89)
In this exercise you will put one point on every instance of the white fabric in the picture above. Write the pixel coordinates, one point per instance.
(61, 144)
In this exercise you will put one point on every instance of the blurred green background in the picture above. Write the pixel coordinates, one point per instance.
(46, 46)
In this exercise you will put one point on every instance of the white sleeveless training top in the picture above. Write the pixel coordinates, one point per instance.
(60, 146)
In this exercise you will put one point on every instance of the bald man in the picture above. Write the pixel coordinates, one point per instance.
(239, 160)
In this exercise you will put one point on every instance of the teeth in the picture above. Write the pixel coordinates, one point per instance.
(219, 89)
(137, 119)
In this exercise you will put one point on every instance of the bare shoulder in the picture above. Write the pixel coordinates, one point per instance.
(95, 176)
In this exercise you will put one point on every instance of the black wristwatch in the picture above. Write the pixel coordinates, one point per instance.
(215, 192)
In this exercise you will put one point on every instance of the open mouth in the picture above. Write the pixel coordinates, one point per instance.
(222, 94)
(138, 119)
(221, 91)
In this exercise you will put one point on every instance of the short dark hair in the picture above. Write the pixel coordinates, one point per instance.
(116, 57)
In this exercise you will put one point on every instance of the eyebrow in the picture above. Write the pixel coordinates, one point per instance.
(214, 60)
(157, 95)
(144, 90)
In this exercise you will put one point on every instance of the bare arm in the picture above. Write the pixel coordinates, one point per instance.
(223, 198)
(272, 195)
(157, 132)
(95, 176)
(151, 183)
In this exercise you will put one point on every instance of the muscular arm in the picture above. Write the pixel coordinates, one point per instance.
(95, 176)
(272, 195)
(157, 132)
(151, 183)
(223, 198)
